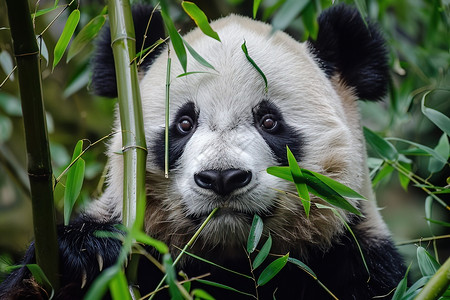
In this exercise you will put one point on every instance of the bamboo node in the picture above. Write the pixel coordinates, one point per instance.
(122, 37)
(126, 148)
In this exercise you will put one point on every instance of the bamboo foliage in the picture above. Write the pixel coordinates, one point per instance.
(39, 163)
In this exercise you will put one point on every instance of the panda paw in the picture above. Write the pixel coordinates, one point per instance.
(83, 255)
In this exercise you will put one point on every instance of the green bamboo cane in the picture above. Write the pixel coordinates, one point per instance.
(133, 138)
(40, 174)
(437, 285)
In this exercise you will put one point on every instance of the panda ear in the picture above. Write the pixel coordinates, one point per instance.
(103, 71)
(354, 49)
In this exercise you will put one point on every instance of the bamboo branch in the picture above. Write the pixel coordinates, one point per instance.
(39, 164)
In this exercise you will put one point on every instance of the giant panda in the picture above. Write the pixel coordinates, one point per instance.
(226, 130)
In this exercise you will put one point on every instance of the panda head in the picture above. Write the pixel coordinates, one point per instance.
(227, 129)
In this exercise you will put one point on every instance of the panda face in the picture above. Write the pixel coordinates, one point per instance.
(226, 130)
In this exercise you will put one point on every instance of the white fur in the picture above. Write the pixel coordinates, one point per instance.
(324, 111)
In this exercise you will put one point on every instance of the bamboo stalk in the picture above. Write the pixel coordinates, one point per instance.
(39, 163)
(133, 137)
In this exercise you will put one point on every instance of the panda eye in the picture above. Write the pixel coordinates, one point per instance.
(185, 125)
(268, 123)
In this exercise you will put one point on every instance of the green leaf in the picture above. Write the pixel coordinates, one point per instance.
(171, 278)
(100, 284)
(428, 210)
(41, 278)
(427, 264)
(273, 269)
(42, 48)
(382, 147)
(65, 37)
(85, 36)
(256, 4)
(309, 18)
(386, 169)
(401, 287)
(199, 18)
(443, 149)
(253, 63)
(302, 266)
(141, 237)
(404, 180)
(263, 253)
(119, 287)
(255, 233)
(197, 57)
(362, 8)
(338, 187)
(315, 186)
(44, 11)
(77, 83)
(430, 151)
(6, 62)
(222, 286)
(201, 294)
(287, 13)
(445, 224)
(74, 182)
(298, 178)
(177, 41)
(438, 118)
(6, 128)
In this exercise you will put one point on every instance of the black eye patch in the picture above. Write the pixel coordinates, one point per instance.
(269, 121)
(180, 131)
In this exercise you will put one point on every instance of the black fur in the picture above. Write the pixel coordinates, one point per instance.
(177, 141)
(354, 49)
(103, 71)
(79, 249)
(282, 136)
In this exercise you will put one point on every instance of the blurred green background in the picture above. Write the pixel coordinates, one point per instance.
(418, 37)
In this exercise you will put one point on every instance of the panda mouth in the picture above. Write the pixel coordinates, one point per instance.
(233, 214)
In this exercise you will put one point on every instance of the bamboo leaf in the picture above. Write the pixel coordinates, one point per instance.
(175, 37)
(197, 57)
(10, 104)
(44, 11)
(201, 294)
(65, 37)
(6, 128)
(141, 237)
(273, 269)
(404, 179)
(199, 18)
(253, 63)
(86, 35)
(222, 286)
(100, 284)
(6, 62)
(362, 8)
(309, 19)
(40, 278)
(401, 287)
(119, 287)
(316, 187)
(385, 170)
(382, 147)
(443, 149)
(427, 264)
(287, 13)
(430, 151)
(438, 118)
(255, 233)
(171, 278)
(43, 48)
(338, 187)
(256, 4)
(263, 253)
(428, 210)
(298, 178)
(74, 182)
(302, 266)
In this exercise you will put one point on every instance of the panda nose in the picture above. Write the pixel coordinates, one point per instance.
(223, 182)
